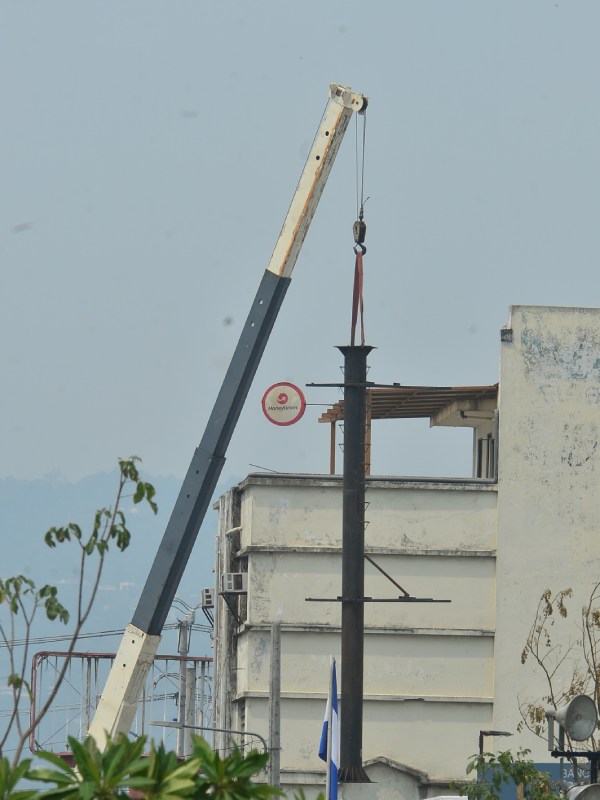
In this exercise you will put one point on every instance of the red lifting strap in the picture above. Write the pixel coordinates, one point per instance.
(357, 299)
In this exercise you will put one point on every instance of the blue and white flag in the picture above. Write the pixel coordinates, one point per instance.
(329, 747)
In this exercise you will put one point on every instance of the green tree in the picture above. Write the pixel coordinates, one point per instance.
(121, 767)
(21, 600)
(495, 772)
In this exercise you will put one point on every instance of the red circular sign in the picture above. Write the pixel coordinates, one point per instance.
(283, 404)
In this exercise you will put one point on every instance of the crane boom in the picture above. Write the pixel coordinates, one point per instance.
(117, 706)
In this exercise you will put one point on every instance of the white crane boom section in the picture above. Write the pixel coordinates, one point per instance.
(342, 103)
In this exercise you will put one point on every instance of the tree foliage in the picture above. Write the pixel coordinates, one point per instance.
(121, 767)
(21, 601)
(496, 772)
(565, 653)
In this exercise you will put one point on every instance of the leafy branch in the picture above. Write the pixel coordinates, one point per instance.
(495, 772)
(21, 600)
(570, 665)
(120, 766)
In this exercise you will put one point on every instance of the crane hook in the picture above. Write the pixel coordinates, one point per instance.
(359, 230)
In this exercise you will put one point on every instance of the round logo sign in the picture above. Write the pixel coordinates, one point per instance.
(283, 404)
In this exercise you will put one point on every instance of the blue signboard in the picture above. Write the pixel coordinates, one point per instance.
(558, 772)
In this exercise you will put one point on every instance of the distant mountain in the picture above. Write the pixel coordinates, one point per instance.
(28, 508)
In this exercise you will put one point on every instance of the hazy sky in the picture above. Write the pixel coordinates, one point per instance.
(149, 151)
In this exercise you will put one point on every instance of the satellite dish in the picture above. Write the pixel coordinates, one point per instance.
(578, 717)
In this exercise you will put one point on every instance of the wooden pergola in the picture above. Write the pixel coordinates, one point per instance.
(407, 402)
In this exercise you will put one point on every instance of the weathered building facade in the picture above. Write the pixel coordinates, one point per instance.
(436, 674)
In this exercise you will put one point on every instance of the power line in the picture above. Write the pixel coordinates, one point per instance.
(35, 640)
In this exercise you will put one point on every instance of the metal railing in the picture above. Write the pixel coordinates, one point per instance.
(75, 703)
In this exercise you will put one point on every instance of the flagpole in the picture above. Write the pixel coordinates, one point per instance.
(329, 729)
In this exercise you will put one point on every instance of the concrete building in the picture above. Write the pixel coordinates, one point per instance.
(436, 674)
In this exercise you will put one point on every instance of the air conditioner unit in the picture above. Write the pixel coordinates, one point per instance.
(208, 597)
(234, 583)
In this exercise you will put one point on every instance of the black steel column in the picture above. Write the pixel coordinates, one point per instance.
(353, 565)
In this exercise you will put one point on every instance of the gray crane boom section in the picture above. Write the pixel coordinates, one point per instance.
(206, 465)
(117, 706)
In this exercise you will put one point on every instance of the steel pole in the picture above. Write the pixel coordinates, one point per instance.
(353, 565)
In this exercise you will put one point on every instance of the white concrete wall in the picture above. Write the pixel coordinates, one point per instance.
(401, 513)
(279, 584)
(432, 735)
(548, 499)
(426, 665)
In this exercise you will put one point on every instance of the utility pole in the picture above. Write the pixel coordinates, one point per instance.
(353, 564)
(275, 706)
(190, 709)
(185, 629)
(353, 598)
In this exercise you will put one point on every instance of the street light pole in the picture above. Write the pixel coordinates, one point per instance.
(482, 735)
